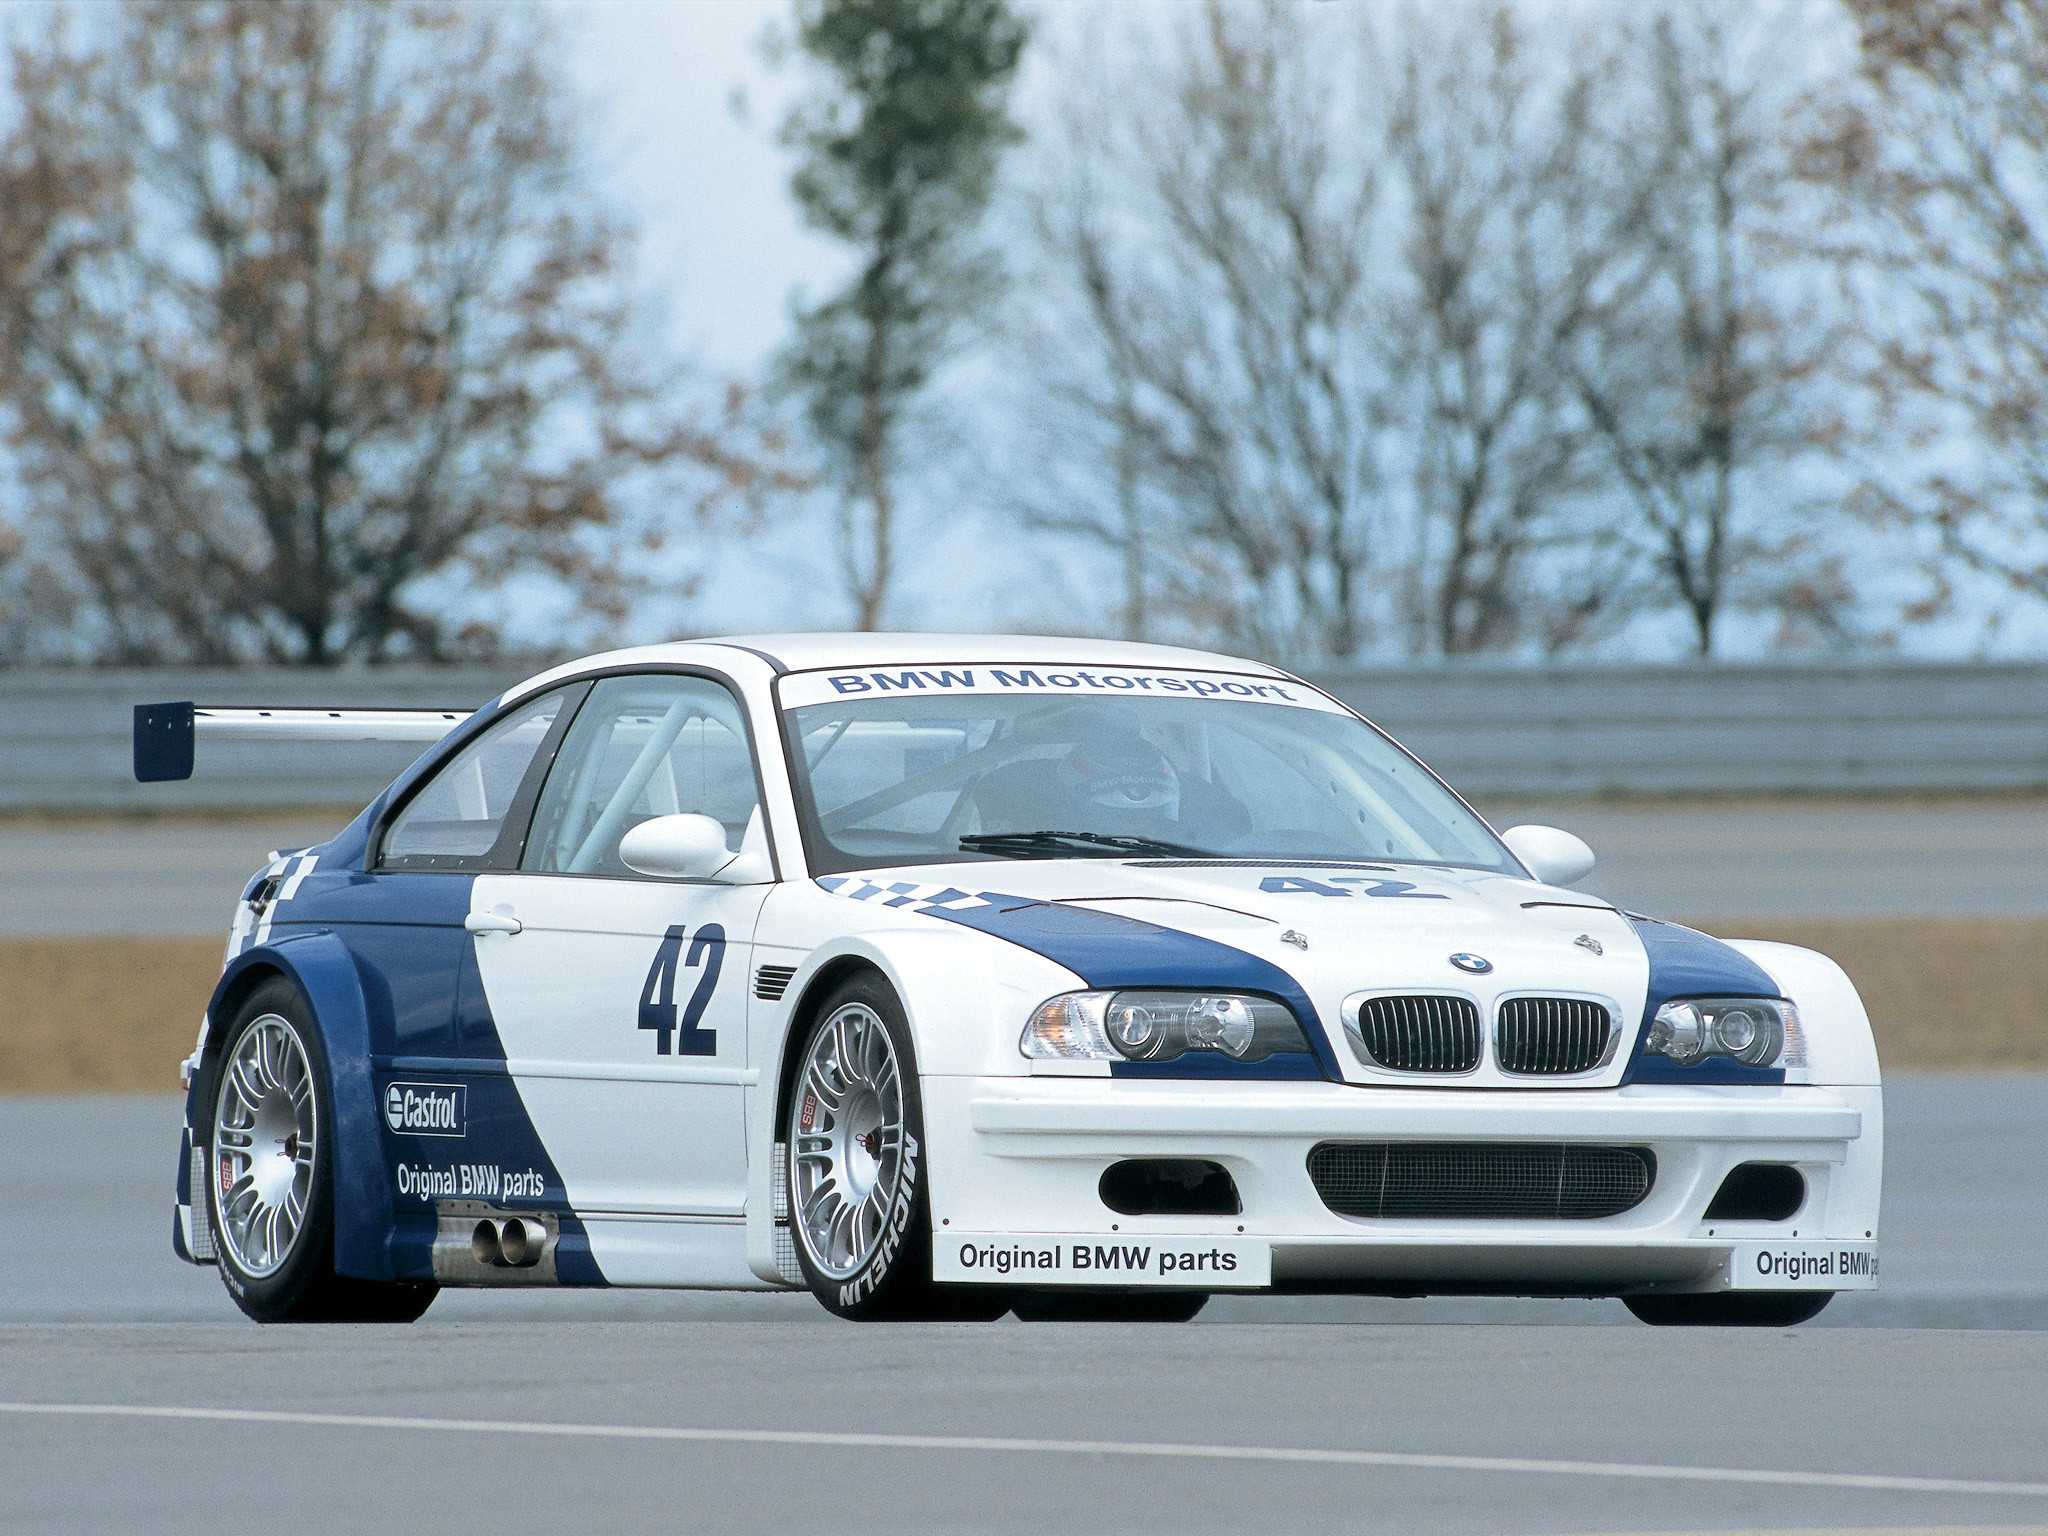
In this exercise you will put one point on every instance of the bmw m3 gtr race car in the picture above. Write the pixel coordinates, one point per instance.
(949, 976)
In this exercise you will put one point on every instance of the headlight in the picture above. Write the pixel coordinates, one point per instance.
(1756, 1031)
(1158, 1026)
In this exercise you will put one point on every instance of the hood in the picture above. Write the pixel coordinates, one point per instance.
(1334, 930)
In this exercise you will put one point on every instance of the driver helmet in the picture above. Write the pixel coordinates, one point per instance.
(1127, 774)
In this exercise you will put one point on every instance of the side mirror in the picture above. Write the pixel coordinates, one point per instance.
(1555, 857)
(685, 847)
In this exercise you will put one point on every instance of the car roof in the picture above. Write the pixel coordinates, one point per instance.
(804, 652)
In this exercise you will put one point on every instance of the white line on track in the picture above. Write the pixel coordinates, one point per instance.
(1414, 1461)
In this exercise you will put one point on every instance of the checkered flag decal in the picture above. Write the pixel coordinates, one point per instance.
(906, 893)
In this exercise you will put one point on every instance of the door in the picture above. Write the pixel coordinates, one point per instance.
(621, 999)
(404, 920)
(452, 1123)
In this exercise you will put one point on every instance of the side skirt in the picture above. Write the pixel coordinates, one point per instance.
(477, 1244)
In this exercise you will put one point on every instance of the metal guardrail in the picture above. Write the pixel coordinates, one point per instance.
(1492, 731)
(1712, 730)
(66, 739)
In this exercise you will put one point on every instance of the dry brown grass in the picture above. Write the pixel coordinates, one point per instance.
(1943, 992)
(105, 1014)
(116, 1014)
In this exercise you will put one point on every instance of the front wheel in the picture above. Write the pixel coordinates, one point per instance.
(270, 1184)
(1730, 1309)
(858, 1202)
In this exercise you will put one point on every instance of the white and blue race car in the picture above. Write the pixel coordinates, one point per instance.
(949, 976)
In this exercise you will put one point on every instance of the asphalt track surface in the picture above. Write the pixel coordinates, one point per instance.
(132, 1396)
(1803, 858)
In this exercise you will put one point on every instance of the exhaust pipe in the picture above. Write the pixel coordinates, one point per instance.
(476, 1245)
(521, 1242)
(516, 1243)
(484, 1244)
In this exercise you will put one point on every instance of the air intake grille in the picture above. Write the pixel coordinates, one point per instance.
(1551, 1036)
(1418, 1034)
(1469, 1180)
(771, 981)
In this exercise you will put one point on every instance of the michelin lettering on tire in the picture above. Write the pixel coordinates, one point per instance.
(901, 1213)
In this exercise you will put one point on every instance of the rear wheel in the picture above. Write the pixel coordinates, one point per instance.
(1730, 1309)
(1109, 1306)
(270, 1184)
(857, 1174)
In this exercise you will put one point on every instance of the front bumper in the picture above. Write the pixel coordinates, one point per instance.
(1017, 1163)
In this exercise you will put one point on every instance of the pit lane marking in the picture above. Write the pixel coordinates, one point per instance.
(1296, 1455)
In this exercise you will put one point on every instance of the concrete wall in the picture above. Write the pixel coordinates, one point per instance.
(64, 735)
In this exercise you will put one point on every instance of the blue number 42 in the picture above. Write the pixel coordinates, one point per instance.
(1347, 885)
(658, 1010)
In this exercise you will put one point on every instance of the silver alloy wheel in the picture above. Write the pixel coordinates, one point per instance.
(846, 1140)
(265, 1128)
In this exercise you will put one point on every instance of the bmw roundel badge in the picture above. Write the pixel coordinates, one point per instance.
(1478, 965)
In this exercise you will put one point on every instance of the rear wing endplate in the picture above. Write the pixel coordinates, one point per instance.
(165, 733)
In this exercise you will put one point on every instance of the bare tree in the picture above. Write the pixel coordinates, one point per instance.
(1205, 310)
(1511, 212)
(1703, 377)
(35, 609)
(1934, 152)
(1313, 297)
(305, 309)
(1080, 407)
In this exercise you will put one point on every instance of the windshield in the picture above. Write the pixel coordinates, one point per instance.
(1131, 765)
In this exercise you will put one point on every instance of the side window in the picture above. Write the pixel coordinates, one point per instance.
(457, 816)
(642, 747)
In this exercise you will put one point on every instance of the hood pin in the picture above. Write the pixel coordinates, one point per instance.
(1591, 945)
(1298, 940)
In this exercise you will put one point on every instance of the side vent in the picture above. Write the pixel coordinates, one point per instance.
(771, 981)
(786, 1264)
(201, 1208)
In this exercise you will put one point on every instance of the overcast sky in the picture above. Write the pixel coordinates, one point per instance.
(722, 250)
(720, 239)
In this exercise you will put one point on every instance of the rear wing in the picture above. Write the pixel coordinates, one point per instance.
(166, 733)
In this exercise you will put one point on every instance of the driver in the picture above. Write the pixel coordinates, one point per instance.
(1108, 780)
(1127, 777)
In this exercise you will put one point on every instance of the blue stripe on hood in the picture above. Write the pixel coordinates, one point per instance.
(1110, 951)
(1687, 963)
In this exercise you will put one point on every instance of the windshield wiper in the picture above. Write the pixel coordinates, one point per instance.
(1048, 840)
